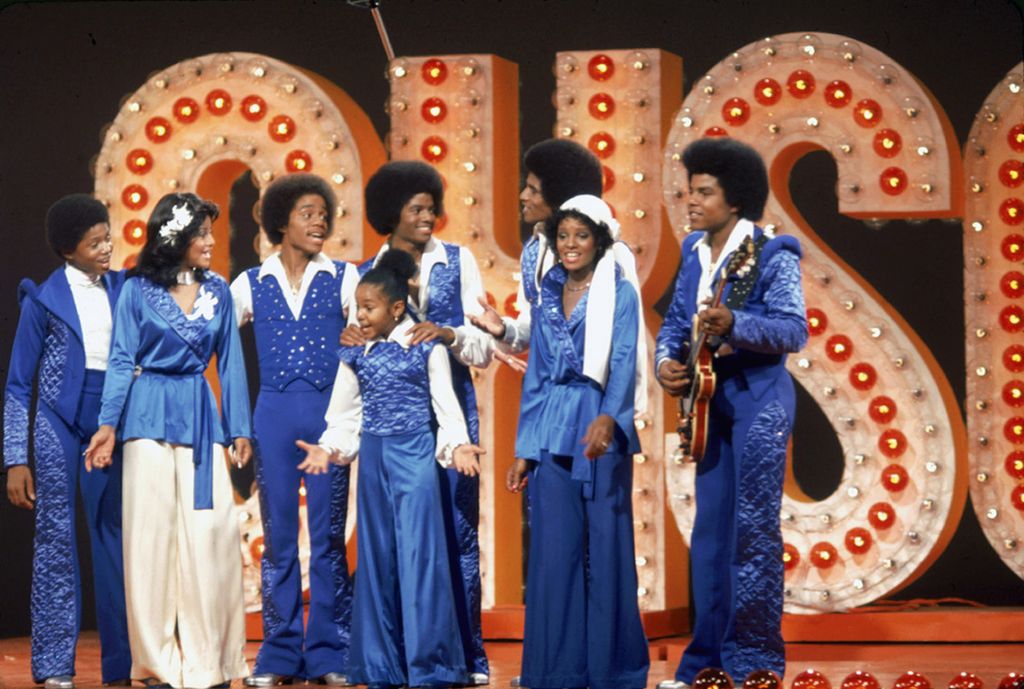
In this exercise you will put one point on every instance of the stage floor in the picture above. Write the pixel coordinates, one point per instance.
(938, 662)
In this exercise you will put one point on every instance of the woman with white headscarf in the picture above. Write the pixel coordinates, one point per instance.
(576, 424)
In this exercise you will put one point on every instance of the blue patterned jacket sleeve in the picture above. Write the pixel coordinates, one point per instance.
(124, 346)
(673, 341)
(782, 326)
(234, 388)
(28, 347)
(618, 399)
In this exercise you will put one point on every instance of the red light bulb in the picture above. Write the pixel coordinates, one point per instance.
(887, 143)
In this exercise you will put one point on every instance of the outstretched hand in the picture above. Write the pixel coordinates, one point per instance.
(511, 360)
(316, 459)
(490, 320)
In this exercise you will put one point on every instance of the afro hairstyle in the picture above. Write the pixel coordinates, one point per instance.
(565, 169)
(280, 198)
(70, 218)
(393, 185)
(739, 169)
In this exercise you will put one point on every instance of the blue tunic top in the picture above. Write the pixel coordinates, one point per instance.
(155, 387)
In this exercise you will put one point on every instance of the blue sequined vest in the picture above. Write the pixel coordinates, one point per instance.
(395, 387)
(290, 349)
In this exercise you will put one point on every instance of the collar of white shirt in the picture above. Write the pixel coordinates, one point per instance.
(79, 278)
(433, 252)
(273, 266)
(399, 334)
(743, 229)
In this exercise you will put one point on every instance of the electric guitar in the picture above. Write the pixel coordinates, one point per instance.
(695, 403)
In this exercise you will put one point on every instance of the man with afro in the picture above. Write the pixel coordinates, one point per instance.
(736, 549)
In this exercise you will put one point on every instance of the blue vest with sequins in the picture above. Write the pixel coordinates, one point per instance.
(303, 349)
(394, 385)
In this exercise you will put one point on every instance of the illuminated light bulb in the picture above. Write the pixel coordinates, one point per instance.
(566, 66)
(838, 94)
(1012, 211)
(1011, 173)
(736, 111)
(882, 409)
(602, 144)
(853, 492)
(434, 71)
(188, 154)
(601, 106)
(867, 113)
(894, 478)
(982, 477)
(640, 458)
(601, 67)
(981, 405)
(859, 459)
(298, 161)
(1015, 137)
(892, 443)
(715, 131)
(281, 129)
(1011, 318)
(1013, 358)
(1012, 247)
(433, 110)
(824, 555)
(817, 321)
(881, 516)
(641, 561)
(992, 513)
(887, 143)
(912, 680)
(839, 348)
(139, 161)
(893, 181)
(976, 186)
(134, 232)
(134, 106)
(185, 110)
(1017, 499)
(965, 680)
(858, 541)
(804, 363)
(1011, 284)
(849, 51)
(800, 84)
(134, 197)
(638, 62)
(863, 376)
(638, 177)
(218, 102)
(1013, 430)
(875, 332)
(808, 45)
(931, 467)
(767, 91)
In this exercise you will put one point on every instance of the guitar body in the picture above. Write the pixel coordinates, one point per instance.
(694, 409)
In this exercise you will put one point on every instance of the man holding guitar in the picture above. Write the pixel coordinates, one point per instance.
(743, 316)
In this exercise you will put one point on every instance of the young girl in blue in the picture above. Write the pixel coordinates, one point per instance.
(393, 404)
(576, 425)
(63, 343)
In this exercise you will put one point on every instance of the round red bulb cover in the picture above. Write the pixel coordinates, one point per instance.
(256, 548)
(491, 300)
(863, 376)
(800, 84)
(882, 409)
(859, 679)
(434, 149)
(281, 128)
(130, 262)
(185, 110)
(790, 556)
(134, 232)
(1014, 680)
(139, 161)
(867, 113)
(158, 130)
(607, 178)
(1013, 358)
(601, 106)
(440, 223)
(893, 181)
(966, 680)
(912, 680)
(601, 67)
(433, 110)
(767, 91)
(1015, 464)
(512, 306)
(1012, 211)
(1011, 318)
(882, 516)
(602, 144)
(1015, 137)
(218, 102)
(839, 348)
(817, 321)
(1017, 498)
(1013, 429)
(736, 111)
(838, 93)
(858, 541)
(1012, 284)
(253, 108)
(1011, 173)
(894, 478)
(887, 143)
(712, 678)
(298, 161)
(811, 679)
(762, 679)
(434, 71)
(823, 556)
(134, 196)
(715, 131)
(1013, 393)
(892, 443)
(1012, 247)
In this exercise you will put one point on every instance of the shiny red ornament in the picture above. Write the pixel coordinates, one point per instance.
(767, 91)
(253, 108)
(1013, 430)
(607, 178)
(1015, 464)
(762, 679)
(800, 84)
(790, 556)
(601, 67)
(894, 478)
(912, 680)
(256, 548)
(1012, 247)
(882, 516)
(298, 161)
(1013, 358)
(736, 111)
(1012, 211)
(892, 443)
(139, 161)
(218, 102)
(434, 71)
(1015, 137)
(158, 130)
(863, 376)
(712, 678)
(887, 143)
(858, 541)
(491, 301)
(966, 680)
(512, 305)
(135, 196)
(859, 679)
(602, 144)
(839, 348)
(1011, 173)
(1017, 498)
(817, 321)
(1012, 284)
(1013, 393)
(823, 556)
(433, 110)
(281, 128)
(893, 181)
(715, 131)
(134, 232)
(130, 262)
(838, 93)
(867, 113)
(601, 106)
(185, 110)
(1014, 680)
(1011, 318)
(434, 149)
(882, 409)
(811, 679)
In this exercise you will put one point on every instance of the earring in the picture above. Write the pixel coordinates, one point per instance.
(397, 318)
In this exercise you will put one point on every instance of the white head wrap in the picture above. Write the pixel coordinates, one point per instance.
(601, 301)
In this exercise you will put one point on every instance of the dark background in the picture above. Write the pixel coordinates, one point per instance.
(64, 68)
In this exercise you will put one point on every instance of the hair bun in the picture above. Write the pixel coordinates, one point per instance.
(400, 263)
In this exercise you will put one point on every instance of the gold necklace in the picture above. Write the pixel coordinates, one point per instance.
(576, 289)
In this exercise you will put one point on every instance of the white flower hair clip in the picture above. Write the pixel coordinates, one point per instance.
(181, 218)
